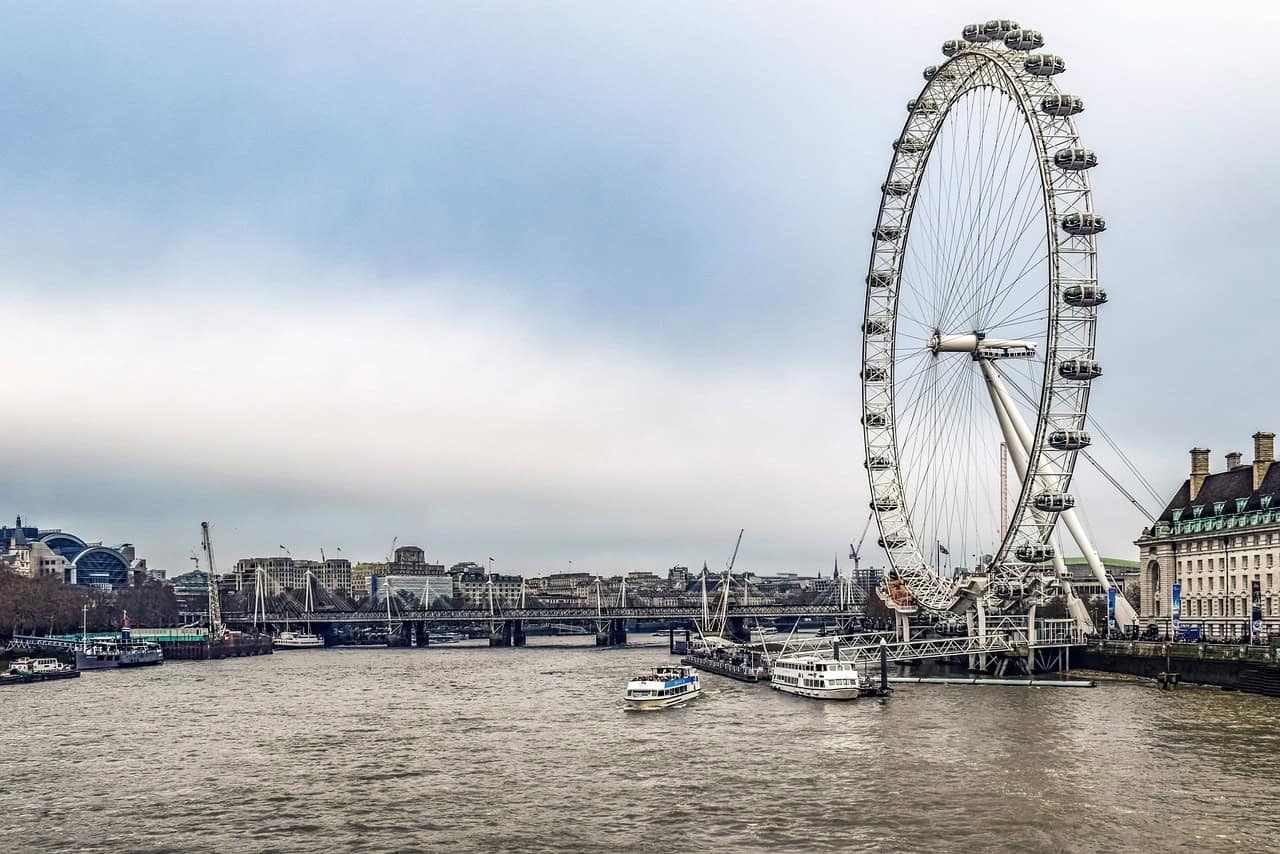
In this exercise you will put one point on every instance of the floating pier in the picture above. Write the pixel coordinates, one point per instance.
(978, 680)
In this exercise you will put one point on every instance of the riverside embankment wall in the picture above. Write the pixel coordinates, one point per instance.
(1246, 668)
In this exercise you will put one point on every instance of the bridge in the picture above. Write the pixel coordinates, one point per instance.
(507, 624)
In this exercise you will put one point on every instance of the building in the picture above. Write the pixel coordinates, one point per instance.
(191, 589)
(1083, 583)
(285, 573)
(430, 591)
(1218, 538)
(38, 552)
(362, 572)
(471, 587)
(678, 578)
(412, 560)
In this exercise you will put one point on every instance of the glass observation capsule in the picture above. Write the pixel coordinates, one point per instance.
(875, 374)
(891, 542)
(1062, 105)
(1083, 296)
(997, 28)
(1023, 40)
(1069, 440)
(895, 188)
(875, 326)
(909, 145)
(879, 279)
(1034, 552)
(878, 461)
(1083, 224)
(1044, 64)
(887, 232)
(922, 105)
(951, 47)
(884, 504)
(1054, 502)
(1075, 159)
(875, 419)
(973, 33)
(1080, 369)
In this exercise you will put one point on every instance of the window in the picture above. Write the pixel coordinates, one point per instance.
(1218, 507)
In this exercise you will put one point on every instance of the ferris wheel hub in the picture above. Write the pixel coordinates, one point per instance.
(982, 347)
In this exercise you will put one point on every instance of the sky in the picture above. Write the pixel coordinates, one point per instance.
(551, 282)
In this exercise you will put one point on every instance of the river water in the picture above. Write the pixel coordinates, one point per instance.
(471, 749)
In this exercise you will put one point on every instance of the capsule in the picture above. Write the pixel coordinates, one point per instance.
(1054, 502)
(875, 374)
(891, 542)
(895, 188)
(1023, 40)
(887, 232)
(1080, 369)
(1061, 105)
(1075, 159)
(874, 326)
(1083, 224)
(973, 33)
(875, 419)
(879, 279)
(1083, 296)
(951, 47)
(1069, 440)
(998, 28)
(1044, 64)
(878, 462)
(922, 105)
(910, 145)
(1034, 552)
(884, 504)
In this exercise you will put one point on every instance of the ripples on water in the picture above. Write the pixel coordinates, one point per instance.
(466, 748)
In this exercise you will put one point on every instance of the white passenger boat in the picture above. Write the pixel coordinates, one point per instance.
(296, 640)
(812, 675)
(662, 687)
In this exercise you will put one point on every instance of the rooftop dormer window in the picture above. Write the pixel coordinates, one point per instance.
(1218, 507)
(1241, 503)
(1197, 510)
(1265, 500)
(1177, 515)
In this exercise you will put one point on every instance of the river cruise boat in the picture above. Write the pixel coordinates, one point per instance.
(296, 640)
(446, 637)
(662, 687)
(104, 652)
(37, 670)
(816, 676)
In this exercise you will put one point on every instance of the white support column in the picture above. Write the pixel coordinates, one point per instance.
(1020, 442)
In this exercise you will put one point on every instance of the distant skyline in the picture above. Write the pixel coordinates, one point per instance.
(559, 281)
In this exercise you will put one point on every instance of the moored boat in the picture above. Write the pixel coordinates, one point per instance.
(816, 676)
(24, 670)
(297, 640)
(662, 687)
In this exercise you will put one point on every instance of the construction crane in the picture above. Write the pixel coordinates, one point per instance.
(855, 552)
(734, 557)
(215, 605)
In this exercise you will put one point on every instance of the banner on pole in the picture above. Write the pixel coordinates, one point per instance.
(1255, 597)
(1175, 611)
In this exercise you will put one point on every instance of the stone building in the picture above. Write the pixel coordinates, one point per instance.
(1218, 535)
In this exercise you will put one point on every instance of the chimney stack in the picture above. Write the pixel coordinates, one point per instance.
(1199, 469)
(1264, 454)
(1233, 460)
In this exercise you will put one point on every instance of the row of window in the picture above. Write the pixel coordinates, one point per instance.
(1224, 563)
(1218, 607)
(1220, 506)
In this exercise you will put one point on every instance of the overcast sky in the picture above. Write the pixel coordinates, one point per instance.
(556, 282)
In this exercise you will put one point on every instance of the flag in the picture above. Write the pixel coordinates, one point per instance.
(942, 550)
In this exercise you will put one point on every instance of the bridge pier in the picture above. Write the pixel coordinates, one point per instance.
(507, 633)
(611, 633)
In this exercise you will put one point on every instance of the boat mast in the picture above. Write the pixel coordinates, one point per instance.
(215, 604)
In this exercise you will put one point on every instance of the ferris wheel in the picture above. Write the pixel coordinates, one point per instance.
(982, 304)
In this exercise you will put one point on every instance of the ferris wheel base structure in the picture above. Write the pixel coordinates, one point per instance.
(984, 247)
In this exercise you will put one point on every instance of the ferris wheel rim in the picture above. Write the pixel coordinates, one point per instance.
(944, 87)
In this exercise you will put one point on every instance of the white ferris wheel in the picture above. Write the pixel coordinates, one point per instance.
(981, 312)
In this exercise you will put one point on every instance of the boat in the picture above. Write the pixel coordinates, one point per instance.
(662, 687)
(24, 670)
(296, 640)
(445, 637)
(102, 653)
(816, 676)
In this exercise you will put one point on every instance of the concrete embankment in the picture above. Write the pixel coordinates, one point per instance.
(1244, 668)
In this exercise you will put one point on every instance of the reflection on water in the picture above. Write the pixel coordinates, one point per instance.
(474, 749)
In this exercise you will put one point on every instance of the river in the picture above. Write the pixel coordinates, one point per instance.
(470, 749)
